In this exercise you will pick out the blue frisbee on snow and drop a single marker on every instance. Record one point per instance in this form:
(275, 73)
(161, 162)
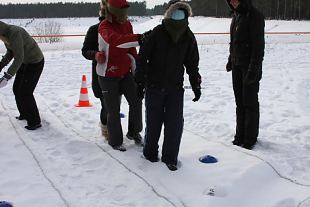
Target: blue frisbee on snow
(121, 115)
(5, 204)
(208, 159)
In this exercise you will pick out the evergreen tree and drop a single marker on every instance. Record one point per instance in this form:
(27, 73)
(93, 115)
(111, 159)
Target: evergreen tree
(272, 9)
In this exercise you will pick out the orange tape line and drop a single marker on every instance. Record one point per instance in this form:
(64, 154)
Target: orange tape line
(198, 33)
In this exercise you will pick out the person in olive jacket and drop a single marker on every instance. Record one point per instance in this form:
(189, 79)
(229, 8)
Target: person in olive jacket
(91, 51)
(161, 62)
(247, 46)
(27, 65)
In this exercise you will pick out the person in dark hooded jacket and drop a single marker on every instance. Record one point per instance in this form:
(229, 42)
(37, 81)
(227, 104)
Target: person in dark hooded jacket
(91, 51)
(27, 65)
(161, 62)
(245, 61)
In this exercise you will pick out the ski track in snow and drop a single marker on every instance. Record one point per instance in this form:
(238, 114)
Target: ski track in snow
(217, 101)
(280, 105)
(69, 151)
(66, 151)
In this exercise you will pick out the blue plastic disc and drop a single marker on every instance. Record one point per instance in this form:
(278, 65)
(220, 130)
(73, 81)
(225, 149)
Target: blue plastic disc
(121, 115)
(208, 159)
(5, 204)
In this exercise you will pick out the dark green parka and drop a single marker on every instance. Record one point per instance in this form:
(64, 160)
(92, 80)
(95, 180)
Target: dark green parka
(20, 46)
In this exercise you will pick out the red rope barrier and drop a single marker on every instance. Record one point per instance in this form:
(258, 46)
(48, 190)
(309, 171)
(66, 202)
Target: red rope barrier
(197, 33)
(287, 33)
(59, 35)
(211, 33)
(267, 33)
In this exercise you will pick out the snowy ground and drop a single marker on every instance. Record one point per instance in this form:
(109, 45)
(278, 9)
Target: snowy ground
(67, 162)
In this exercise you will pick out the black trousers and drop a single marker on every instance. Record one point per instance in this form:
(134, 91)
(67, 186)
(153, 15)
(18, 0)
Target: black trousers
(163, 107)
(103, 112)
(247, 110)
(25, 82)
(112, 88)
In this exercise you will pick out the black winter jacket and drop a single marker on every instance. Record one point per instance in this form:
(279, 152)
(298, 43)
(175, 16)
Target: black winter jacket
(161, 62)
(89, 49)
(247, 41)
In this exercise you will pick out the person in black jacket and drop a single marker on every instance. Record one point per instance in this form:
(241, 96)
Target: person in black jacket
(245, 61)
(90, 52)
(160, 71)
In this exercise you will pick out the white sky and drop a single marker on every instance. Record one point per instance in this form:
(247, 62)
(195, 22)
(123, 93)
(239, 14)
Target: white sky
(150, 3)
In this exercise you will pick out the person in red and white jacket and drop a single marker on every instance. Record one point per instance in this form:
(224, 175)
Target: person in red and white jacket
(117, 44)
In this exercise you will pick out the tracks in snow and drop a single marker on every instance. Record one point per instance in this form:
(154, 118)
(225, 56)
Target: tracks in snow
(58, 187)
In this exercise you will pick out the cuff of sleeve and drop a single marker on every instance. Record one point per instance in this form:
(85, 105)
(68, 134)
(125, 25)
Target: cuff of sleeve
(7, 76)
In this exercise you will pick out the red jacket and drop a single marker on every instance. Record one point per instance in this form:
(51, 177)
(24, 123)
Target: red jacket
(118, 43)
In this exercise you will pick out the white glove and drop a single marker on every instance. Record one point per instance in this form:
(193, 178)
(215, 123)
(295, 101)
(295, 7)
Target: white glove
(4, 80)
(133, 63)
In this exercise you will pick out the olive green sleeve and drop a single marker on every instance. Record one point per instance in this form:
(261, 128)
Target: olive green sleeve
(17, 47)
(6, 58)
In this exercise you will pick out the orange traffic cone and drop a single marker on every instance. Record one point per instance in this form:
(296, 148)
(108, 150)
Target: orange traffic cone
(84, 101)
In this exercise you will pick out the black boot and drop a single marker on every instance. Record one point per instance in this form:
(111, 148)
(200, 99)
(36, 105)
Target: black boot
(151, 158)
(33, 127)
(249, 146)
(134, 136)
(172, 167)
(120, 148)
(237, 142)
(20, 117)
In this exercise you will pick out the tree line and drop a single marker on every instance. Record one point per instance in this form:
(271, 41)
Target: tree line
(61, 10)
(272, 9)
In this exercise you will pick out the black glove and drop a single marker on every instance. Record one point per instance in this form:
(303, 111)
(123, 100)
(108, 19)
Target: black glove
(197, 93)
(143, 37)
(4, 80)
(7, 76)
(229, 65)
(1, 66)
(195, 81)
(140, 90)
(253, 75)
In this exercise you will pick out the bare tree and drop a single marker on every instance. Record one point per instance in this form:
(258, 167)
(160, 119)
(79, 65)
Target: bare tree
(48, 31)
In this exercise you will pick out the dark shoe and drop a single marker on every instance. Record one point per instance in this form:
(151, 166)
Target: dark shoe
(134, 136)
(172, 167)
(237, 142)
(34, 127)
(20, 118)
(151, 158)
(248, 146)
(120, 148)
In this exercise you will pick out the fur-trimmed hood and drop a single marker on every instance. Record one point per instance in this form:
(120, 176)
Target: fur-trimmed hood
(247, 4)
(178, 5)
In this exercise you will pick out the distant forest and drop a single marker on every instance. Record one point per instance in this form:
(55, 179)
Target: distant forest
(272, 9)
